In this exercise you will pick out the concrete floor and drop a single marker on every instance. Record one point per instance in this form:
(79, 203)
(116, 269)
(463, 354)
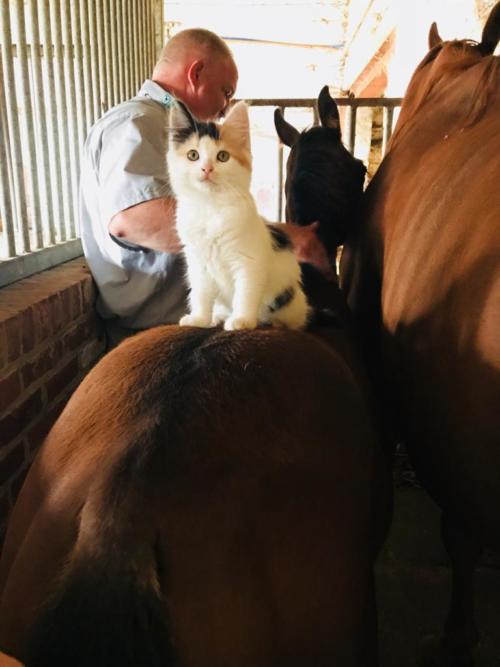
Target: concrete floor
(414, 578)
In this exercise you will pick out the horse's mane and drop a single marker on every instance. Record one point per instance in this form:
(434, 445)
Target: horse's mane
(461, 55)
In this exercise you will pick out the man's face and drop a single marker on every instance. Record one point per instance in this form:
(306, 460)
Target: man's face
(216, 85)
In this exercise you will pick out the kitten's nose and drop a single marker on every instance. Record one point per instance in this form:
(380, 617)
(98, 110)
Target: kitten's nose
(206, 170)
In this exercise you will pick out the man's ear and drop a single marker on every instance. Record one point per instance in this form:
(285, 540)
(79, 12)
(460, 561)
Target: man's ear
(193, 73)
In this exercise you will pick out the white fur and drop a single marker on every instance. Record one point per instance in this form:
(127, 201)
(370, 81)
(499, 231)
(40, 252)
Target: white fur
(233, 271)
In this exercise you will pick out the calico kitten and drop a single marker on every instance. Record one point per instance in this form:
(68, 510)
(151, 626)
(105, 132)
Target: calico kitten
(241, 271)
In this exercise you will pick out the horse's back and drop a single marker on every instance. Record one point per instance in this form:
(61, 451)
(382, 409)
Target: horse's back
(255, 458)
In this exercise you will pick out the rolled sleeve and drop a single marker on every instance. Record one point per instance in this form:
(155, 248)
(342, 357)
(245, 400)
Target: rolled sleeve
(132, 167)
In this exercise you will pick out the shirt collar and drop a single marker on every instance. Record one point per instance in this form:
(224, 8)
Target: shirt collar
(155, 92)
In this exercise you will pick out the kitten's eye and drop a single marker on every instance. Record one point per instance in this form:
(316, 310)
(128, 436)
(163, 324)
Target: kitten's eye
(193, 155)
(223, 156)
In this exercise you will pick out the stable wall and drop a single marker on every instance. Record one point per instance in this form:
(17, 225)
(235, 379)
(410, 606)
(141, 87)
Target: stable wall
(50, 337)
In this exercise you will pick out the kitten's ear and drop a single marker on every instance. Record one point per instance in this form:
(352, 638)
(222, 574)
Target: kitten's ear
(181, 122)
(238, 119)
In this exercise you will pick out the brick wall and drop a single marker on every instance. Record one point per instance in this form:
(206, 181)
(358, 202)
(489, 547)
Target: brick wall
(49, 338)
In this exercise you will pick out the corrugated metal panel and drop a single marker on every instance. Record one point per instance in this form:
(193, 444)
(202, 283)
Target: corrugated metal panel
(63, 64)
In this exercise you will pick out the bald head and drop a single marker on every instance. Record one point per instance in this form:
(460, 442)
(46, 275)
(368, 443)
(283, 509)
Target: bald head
(194, 40)
(198, 68)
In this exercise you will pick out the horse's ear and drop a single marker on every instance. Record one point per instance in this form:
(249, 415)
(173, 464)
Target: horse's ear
(327, 109)
(434, 37)
(286, 132)
(491, 32)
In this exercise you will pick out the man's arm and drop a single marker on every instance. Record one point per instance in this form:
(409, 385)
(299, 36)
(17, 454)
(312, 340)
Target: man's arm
(150, 224)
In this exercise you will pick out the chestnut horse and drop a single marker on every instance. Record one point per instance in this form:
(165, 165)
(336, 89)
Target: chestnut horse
(205, 498)
(423, 278)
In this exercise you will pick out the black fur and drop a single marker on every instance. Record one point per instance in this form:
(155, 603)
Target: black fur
(280, 239)
(282, 299)
(193, 126)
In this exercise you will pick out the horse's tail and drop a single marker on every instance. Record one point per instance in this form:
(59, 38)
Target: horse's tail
(107, 608)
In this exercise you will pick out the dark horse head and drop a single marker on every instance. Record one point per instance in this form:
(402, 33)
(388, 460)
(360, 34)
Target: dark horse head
(324, 182)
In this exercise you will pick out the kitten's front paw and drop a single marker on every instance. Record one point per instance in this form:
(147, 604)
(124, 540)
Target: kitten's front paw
(235, 323)
(194, 321)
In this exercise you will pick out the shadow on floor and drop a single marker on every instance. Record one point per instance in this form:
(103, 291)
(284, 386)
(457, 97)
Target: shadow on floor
(414, 579)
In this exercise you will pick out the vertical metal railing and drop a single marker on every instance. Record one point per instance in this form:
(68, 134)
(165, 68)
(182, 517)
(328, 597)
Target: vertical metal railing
(63, 63)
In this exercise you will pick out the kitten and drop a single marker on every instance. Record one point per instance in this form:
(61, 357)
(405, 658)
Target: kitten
(241, 271)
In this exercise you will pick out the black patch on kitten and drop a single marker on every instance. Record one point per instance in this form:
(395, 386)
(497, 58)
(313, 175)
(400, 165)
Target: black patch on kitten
(194, 127)
(280, 239)
(282, 299)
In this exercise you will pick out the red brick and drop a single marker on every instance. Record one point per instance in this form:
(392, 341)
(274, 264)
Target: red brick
(80, 333)
(62, 379)
(42, 320)
(38, 432)
(13, 423)
(71, 302)
(13, 336)
(28, 333)
(88, 294)
(11, 463)
(44, 362)
(10, 389)
(56, 312)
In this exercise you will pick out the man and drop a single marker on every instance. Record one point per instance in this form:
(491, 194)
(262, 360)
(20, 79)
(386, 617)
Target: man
(127, 211)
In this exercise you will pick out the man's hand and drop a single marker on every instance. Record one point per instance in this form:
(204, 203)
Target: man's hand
(150, 224)
(308, 248)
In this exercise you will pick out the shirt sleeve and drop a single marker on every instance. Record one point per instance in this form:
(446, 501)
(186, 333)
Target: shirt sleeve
(132, 166)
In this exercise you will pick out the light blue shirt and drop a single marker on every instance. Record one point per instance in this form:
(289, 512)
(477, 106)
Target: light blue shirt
(124, 164)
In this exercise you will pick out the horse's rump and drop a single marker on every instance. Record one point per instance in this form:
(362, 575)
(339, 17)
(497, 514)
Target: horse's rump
(230, 479)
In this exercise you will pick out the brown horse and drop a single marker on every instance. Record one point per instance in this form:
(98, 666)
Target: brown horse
(423, 278)
(206, 498)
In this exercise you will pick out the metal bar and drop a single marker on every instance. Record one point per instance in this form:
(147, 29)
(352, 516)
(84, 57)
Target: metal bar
(78, 70)
(28, 133)
(6, 212)
(154, 31)
(139, 37)
(341, 102)
(94, 63)
(114, 48)
(107, 54)
(130, 47)
(71, 122)
(351, 128)
(145, 39)
(119, 37)
(103, 89)
(62, 109)
(159, 29)
(152, 34)
(21, 217)
(148, 41)
(134, 49)
(280, 174)
(87, 71)
(43, 161)
(40, 260)
(126, 49)
(50, 105)
(387, 130)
